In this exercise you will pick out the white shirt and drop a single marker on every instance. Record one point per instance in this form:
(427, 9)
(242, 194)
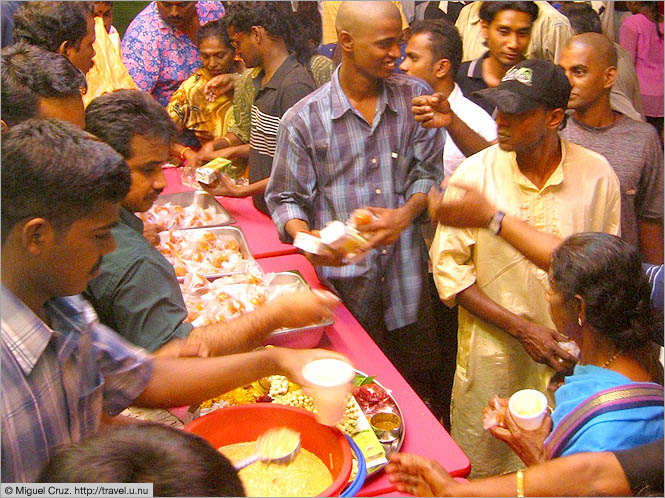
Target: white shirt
(476, 118)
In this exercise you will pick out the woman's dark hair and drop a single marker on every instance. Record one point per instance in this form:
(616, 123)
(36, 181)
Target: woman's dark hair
(53, 170)
(48, 24)
(30, 72)
(306, 30)
(489, 10)
(176, 462)
(214, 29)
(655, 14)
(444, 38)
(607, 273)
(118, 116)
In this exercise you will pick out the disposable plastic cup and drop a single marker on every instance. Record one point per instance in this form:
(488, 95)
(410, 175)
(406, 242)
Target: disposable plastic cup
(528, 408)
(329, 382)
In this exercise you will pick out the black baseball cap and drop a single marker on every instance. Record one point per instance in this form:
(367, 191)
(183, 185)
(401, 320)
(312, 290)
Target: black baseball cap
(531, 83)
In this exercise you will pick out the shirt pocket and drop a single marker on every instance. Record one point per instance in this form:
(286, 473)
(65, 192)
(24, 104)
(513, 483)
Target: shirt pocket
(402, 168)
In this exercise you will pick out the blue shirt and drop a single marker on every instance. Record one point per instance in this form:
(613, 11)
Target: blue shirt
(56, 381)
(330, 161)
(610, 431)
(160, 57)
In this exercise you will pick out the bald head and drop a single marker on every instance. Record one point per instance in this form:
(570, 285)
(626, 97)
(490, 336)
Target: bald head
(355, 17)
(601, 46)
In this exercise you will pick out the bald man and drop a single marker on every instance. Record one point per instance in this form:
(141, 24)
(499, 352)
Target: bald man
(631, 147)
(354, 143)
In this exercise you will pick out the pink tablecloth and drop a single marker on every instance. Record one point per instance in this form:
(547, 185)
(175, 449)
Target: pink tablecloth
(259, 230)
(424, 434)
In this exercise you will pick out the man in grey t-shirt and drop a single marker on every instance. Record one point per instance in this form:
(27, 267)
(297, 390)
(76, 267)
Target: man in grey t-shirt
(631, 147)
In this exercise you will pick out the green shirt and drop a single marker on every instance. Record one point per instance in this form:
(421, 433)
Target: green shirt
(136, 292)
(320, 67)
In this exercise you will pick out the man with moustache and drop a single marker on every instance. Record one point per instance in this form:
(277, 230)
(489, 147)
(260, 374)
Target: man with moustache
(507, 341)
(136, 292)
(353, 143)
(159, 47)
(66, 28)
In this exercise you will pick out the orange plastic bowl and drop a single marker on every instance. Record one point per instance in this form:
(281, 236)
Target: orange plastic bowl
(241, 423)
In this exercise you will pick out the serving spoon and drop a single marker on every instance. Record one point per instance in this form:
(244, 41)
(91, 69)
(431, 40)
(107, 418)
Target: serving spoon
(275, 446)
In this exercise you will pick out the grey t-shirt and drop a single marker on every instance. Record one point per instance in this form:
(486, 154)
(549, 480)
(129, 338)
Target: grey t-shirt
(634, 151)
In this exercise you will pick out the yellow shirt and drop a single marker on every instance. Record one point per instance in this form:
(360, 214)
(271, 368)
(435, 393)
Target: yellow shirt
(549, 33)
(330, 13)
(582, 194)
(108, 72)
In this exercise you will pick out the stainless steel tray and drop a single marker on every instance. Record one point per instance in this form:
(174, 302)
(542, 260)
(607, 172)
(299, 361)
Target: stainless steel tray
(395, 445)
(302, 337)
(232, 232)
(203, 199)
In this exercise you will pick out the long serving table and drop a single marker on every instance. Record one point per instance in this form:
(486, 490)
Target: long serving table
(424, 435)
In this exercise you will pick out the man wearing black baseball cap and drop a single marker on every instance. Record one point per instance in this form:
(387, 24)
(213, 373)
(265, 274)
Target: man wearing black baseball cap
(507, 339)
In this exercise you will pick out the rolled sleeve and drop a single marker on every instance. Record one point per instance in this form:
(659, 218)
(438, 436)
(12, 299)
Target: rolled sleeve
(453, 268)
(428, 154)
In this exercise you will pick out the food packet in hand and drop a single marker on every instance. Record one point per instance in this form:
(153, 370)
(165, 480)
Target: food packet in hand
(360, 218)
(494, 413)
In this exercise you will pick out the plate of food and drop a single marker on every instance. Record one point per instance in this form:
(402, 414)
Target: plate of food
(368, 401)
(184, 210)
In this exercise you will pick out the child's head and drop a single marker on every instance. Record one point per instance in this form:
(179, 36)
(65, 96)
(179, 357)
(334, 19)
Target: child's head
(215, 48)
(176, 462)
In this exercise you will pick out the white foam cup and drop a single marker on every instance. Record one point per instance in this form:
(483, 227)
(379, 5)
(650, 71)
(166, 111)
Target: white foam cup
(329, 381)
(528, 408)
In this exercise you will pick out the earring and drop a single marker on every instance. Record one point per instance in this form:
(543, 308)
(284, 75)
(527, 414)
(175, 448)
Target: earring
(579, 321)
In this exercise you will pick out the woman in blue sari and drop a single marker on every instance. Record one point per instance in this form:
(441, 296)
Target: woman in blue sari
(598, 297)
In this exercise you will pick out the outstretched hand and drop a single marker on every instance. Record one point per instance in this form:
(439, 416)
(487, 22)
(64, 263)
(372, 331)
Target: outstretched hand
(432, 111)
(472, 210)
(419, 476)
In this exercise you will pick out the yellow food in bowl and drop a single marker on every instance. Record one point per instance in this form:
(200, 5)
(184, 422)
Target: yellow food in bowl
(306, 475)
(526, 406)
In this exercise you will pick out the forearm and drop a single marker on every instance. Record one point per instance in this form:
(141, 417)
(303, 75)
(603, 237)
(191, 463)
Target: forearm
(187, 381)
(535, 245)
(467, 140)
(651, 240)
(474, 300)
(240, 334)
(416, 204)
(255, 188)
(596, 474)
(296, 225)
(228, 140)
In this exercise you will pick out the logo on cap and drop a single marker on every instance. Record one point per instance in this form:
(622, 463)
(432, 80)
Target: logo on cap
(523, 75)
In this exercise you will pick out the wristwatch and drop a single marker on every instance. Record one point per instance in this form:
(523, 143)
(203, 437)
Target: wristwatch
(494, 225)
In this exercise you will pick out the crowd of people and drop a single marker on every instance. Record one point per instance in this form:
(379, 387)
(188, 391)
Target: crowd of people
(511, 154)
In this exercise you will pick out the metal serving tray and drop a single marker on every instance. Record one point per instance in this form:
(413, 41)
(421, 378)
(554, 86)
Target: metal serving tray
(202, 199)
(232, 232)
(303, 337)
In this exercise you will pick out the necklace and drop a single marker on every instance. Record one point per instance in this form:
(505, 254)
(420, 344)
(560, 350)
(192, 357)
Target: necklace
(614, 357)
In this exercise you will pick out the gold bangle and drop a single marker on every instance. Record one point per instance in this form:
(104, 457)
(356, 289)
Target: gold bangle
(182, 152)
(227, 141)
(520, 483)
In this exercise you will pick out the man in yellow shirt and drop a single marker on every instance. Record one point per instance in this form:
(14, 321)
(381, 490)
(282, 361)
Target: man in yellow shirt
(549, 33)
(506, 338)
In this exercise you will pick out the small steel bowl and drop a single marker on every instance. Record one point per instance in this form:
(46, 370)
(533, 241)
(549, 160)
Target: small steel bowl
(386, 425)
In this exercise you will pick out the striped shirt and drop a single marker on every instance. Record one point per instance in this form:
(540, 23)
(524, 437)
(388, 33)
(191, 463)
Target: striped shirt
(56, 382)
(290, 83)
(330, 161)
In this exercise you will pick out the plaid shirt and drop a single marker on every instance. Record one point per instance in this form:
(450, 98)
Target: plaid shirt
(56, 382)
(330, 161)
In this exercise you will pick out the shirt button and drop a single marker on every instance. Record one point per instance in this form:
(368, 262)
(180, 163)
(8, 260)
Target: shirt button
(378, 191)
(373, 161)
(384, 251)
(383, 279)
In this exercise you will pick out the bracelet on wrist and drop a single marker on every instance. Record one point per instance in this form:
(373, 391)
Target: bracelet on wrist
(182, 152)
(520, 483)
